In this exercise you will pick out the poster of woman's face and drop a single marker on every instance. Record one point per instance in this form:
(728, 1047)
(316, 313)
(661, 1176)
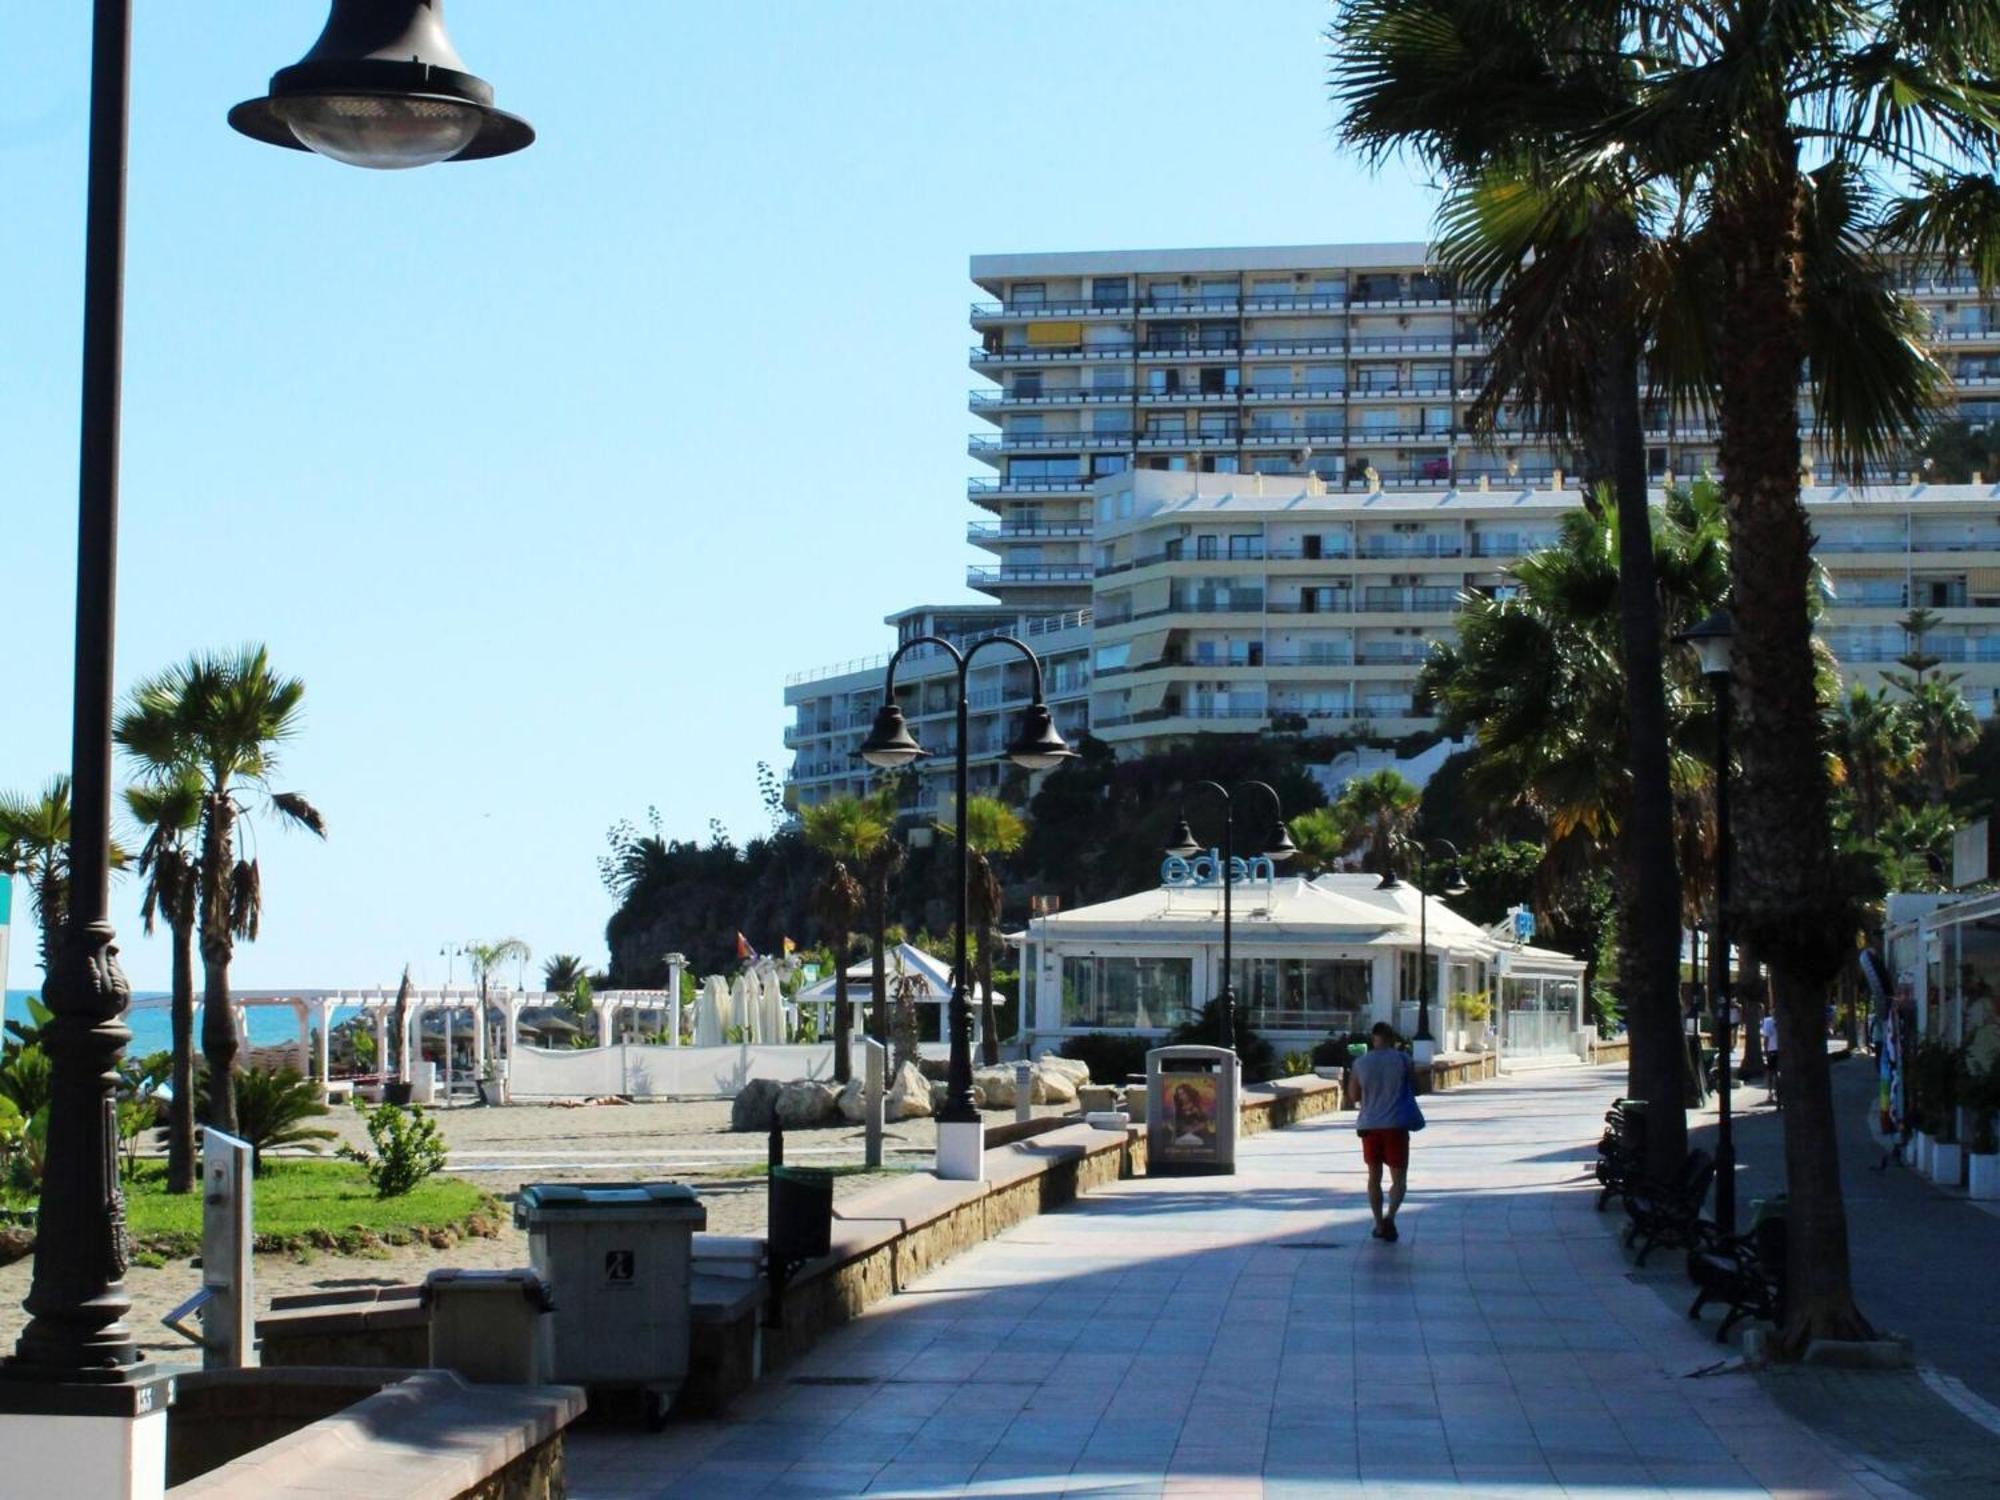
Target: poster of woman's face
(1191, 1114)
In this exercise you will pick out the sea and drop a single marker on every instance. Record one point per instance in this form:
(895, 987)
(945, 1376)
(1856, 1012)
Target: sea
(152, 1026)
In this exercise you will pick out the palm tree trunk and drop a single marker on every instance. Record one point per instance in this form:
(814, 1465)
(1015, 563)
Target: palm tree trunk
(989, 1018)
(843, 1015)
(878, 980)
(1750, 989)
(218, 1023)
(180, 1111)
(1786, 897)
(1649, 960)
(50, 893)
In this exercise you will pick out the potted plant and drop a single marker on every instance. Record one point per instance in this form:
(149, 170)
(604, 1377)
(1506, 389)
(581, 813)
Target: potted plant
(1979, 1096)
(1471, 1009)
(1927, 1093)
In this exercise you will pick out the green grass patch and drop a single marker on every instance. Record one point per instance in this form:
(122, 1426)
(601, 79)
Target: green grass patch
(315, 1205)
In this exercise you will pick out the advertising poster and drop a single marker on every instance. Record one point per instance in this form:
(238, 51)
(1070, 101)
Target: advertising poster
(1191, 1115)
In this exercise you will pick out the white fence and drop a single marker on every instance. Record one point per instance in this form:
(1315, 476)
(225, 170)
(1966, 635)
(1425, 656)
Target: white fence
(651, 1072)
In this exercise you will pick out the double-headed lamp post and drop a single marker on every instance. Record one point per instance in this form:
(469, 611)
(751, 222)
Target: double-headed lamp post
(1036, 747)
(1423, 1044)
(1714, 642)
(381, 88)
(1278, 848)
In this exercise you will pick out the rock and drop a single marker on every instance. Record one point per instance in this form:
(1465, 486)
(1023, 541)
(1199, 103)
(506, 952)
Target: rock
(755, 1105)
(1052, 1087)
(16, 1244)
(853, 1101)
(997, 1084)
(909, 1094)
(807, 1104)
(1077, 1072)
(1098, 1098)
(941, 1091)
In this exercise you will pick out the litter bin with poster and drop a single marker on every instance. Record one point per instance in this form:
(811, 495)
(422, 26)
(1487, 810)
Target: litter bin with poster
(1191, 1110)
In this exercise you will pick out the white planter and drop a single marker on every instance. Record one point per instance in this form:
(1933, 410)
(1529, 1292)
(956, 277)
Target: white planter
(1948, 1164)
(1920, 1153)
(1982, 1175)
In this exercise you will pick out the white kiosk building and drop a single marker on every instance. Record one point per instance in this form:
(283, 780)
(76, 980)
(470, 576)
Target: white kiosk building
(1312, 957)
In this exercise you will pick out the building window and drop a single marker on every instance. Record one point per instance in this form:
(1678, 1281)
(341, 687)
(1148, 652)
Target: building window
(1029, 294)
(1303, 994)
(1140, 993)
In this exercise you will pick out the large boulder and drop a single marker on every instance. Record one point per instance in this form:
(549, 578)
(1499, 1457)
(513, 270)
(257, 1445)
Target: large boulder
(942, 1091)
(997, 1084)
(755, 1105)
(807, 1104)
(1077, 1071)
(909, 1094)
(1054, 1087)
(853, 1102)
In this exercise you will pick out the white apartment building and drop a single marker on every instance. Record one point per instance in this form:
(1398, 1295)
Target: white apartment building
(1180, 444)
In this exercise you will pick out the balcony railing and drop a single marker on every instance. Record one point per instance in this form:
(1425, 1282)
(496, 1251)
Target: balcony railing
(983, 400)
(1187, 349)
(1043, 354)
(1024, 531)
(1286, 348)
(1294, 437)
(1245, 602)
(1170, 303)
(1205, 437)
(1257, 302)
(1037, 442)
(1010, 573)
(1061, 484)
(1412, 546)
(1069, 308)
(1294, 393)
(1442, 385)
(1321, 602)
(1408, 600)
(1188, 398)
(1403, 343)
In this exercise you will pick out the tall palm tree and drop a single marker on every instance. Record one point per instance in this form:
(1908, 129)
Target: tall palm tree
(1377, 810)
(1490, 95)
(34, 844)
(222, 719)
(487, 959)
(992, 830)
(848, 830)
(1322, 836)
(1876, 746)
(168, 809)
(1943, 728)
(880, 866)
(1732, 99)
(561, 971)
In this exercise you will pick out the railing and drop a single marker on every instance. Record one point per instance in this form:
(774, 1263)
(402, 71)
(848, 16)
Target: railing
(1190, 302)
(1865, 544)
(1259, 348)
(1186, 348)
(1047, 353)
(1331, 549)
(1245, 603)
(1087, 308)
(1295, 302)
(1062, 484)
(1322, 602)
(1411, 546)
(1407, 343)
(1406, 388)
(1407, 600)
(1294, 437)
(1309, 659)
(1294, 393)
(978, 577)
(1225, 437)
(1000, 531)
(981, 400)
(1185, 398)
(1035, 626)
(1392, 656)
(988, 442)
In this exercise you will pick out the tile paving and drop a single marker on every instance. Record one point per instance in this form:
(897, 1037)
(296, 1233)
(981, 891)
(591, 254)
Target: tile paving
(1244, 1336)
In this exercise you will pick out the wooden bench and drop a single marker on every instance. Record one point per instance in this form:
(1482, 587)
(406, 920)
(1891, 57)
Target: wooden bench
(1746, 1274)
(1669, 1213)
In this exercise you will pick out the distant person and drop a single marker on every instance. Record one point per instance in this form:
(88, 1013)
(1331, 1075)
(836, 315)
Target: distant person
(1767, 1031)
(1385, 1081)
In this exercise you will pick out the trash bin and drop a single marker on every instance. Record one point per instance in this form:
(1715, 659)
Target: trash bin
(1191, 1110)
(800, 1209)
(491, 1326)
(616, 1258)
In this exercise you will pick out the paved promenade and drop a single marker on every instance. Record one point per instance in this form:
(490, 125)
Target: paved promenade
(1245, 1337)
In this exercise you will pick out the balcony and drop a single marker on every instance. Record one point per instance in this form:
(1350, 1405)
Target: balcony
(1510, 543)
(990, 400)
(1294, 437)
(1292, 348)
(1411, 546)
(1005, 312)
(1393, 656)
(1429, 387)
(981, 444)
(1171, 439)
(1328, 658)
(1405, 343)
(1241, 602)
(1024, 531)
(1189, 398)
(1188, 349)
(1403, 434)
(1295, 302)
(1016, 574)
(1046, 354)
(1062, 484)
(1316, 602)
(1395, 601)
(1196, 304)
(1295, 393)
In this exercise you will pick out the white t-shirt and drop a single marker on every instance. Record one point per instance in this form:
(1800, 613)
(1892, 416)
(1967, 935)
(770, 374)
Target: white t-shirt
(1768, 1030)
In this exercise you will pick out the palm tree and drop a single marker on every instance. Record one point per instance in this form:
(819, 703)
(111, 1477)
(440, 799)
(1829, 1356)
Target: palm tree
(1576, 289)
(561, 971)
(488, 958)
(34, 844)
(222, 719)
(168, 809)
(1876, 745)
(848, 831)
(1943, 727)
(992, 829)
(881, 865)
(1378, 809)
(1322, 836)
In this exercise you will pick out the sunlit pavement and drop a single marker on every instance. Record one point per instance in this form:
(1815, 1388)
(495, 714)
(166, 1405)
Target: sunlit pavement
(1244, 1336)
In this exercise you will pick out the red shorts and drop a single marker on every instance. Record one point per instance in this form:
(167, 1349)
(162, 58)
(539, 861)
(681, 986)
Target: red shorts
(1386, 1148)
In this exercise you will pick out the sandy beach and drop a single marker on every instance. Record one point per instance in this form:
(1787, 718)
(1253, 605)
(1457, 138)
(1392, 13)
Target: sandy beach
(501, 1149)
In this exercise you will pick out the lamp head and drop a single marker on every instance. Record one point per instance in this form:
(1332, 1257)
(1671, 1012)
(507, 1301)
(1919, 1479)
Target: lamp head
(1037, 747)
(1182, 841)
(1278, 846)
(890, 743)
(383, 87)
(1714, 642)
(1455, 882)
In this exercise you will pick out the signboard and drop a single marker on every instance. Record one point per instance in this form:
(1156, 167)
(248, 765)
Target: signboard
(1524, 924)
(1206, 870)
(1972, 854)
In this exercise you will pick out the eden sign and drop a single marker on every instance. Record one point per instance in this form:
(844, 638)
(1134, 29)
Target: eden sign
(1206, 869)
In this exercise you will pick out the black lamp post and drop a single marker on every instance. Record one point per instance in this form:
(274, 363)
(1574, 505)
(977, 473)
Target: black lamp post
(76, 1337)
(1278, 849)
(1714, 640)
(1036, 747)
(1424, 1045)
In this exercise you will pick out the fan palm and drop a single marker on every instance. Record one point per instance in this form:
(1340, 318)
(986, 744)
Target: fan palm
(992, 829)
(1377, 811)
(488, 959)
(272, 1109)
(881, 865)
(34, 844)
(1322, 837)
(1877, 747)
(168, 809)
(1943, 728)
(848, 830)
(221, 719)
(561, 971)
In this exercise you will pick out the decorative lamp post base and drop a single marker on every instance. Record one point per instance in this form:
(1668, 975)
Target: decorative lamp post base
(961, 1150)
(1424, 1051)
(102, 1441)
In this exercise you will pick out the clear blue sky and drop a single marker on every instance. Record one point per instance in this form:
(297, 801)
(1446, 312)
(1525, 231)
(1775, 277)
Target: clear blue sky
(544, 472)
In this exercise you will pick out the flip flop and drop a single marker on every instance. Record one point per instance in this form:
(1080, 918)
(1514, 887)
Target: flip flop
(1389, 1231)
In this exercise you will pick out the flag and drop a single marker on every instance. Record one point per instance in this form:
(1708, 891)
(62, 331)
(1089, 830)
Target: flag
(790, 947)
(743, 948)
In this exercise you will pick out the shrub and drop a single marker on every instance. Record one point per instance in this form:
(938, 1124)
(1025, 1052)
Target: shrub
(408, 1149)
(1297, 1064)
(1979, 1092)
(25, 1078)
(1110, 1058)
(1933, 1080)
(1258, 1056)
(271, 1110)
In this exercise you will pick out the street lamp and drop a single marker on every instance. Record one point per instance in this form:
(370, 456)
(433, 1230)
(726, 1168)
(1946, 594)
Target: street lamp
(1423, 1044)
(1278, 848)
(1714, 644)
(1036, 747)
(76, 1355)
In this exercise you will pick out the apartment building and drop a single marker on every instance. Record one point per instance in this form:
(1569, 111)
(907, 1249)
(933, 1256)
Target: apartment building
(1340, 375)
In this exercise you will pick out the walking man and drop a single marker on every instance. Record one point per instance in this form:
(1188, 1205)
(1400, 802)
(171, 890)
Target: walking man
(1383, 1078)
(1767, 1035)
